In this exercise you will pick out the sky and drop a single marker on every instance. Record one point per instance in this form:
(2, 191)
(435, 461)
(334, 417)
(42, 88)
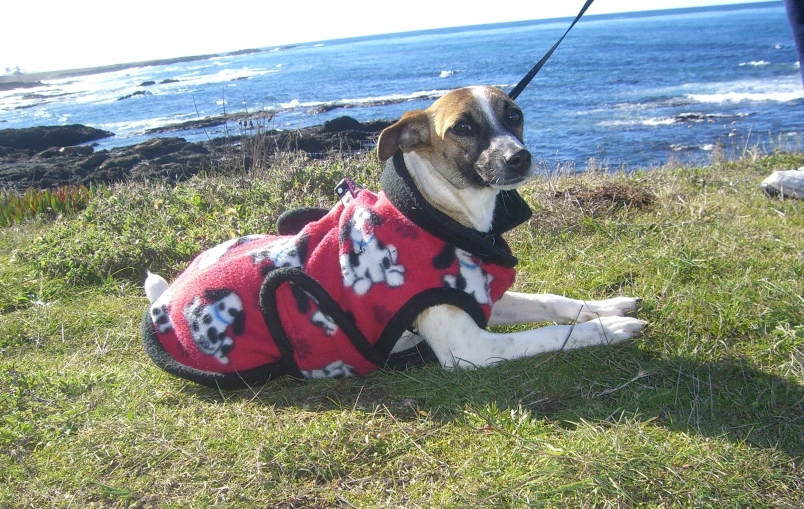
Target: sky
(49, 35)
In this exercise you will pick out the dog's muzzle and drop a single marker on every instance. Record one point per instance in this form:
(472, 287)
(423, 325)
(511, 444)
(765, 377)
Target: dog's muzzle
(519, 162)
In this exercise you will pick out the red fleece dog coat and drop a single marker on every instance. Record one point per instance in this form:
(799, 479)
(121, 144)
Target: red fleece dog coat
(330, 301)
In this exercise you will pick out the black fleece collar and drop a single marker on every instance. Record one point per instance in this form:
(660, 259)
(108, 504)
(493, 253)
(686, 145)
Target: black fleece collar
(509, 212)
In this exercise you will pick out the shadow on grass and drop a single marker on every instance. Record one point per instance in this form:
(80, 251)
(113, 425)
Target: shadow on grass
(730, 398)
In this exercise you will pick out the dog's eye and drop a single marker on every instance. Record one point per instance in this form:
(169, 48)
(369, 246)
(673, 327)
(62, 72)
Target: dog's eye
(515, 116)
(462, 127)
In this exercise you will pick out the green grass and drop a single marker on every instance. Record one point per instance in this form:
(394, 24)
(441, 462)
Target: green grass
(705, 410)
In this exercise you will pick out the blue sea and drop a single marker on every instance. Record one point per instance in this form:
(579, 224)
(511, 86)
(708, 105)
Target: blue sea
(625, 90)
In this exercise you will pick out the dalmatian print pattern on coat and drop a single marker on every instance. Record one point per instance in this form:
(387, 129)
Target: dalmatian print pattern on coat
(368, 260)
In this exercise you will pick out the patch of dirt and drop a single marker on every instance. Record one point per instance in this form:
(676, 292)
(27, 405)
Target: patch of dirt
(606, 197)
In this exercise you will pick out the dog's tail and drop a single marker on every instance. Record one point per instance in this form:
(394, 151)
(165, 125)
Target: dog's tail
(155, 285)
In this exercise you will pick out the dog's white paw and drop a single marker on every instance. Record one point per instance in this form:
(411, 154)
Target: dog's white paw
(618, 306)
(605, 331)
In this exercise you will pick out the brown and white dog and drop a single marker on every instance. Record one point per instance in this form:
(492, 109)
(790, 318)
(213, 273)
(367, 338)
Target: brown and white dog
(462, 154)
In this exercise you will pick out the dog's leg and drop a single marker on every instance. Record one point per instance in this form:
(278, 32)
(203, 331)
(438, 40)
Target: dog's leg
(458, 341)
(514, 308)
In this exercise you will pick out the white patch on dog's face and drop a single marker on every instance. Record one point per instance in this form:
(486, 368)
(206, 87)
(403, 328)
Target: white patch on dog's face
(505, 163)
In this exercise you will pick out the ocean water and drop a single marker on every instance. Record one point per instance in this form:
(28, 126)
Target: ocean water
(625, 90)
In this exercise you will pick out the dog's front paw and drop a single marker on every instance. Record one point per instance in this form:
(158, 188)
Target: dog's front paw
(605, 331)
(618, 306)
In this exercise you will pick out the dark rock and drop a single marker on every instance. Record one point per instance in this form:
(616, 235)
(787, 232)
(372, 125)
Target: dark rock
(84, 150)
(158, 147)
(135, 94)
(243, 52)
(190, 124)
(343, 123)
(147, 83)
(81, 150)
(44, 137)
(12, 85)
(94, 161)
(211, 122)
(169, 80)
(194, 148)
(124, 163)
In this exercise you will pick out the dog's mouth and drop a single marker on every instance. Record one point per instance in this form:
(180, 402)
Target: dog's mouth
(508, 184)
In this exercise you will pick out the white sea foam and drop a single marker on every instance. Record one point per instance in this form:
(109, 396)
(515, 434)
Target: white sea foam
(653, 121)
(736, 97)
(364, 101)
(707, 147)
(446, 74)
(224, 75)
(755, 63)
(659, 121)
(778, 89)
(139, 126)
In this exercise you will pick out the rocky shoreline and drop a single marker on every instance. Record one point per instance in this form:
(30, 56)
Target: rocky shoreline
(52, 156)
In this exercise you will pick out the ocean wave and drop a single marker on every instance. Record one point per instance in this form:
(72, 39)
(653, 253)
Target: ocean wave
(680, 118)
(654, 121)
(659, 121)
(736, 97)
(707, 147)
(129, 127)
(446, 74)
(755, 63)
(778, 89)
(316, 107)
(224, 75)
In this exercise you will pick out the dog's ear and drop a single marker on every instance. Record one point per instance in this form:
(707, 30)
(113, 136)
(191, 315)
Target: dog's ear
(410, 133)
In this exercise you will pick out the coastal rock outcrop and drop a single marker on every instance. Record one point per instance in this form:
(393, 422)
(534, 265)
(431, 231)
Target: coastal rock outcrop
(35, 139)
(46, 157)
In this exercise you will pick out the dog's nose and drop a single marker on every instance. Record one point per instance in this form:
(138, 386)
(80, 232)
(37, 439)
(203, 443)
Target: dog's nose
(519, 161)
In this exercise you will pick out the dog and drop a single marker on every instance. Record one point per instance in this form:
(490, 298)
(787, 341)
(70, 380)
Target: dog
(421, 267)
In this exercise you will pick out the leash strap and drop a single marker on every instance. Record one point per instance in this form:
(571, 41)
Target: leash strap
(524, 82)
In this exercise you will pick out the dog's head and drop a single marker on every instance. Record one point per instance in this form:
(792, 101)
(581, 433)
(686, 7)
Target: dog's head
(472, 136)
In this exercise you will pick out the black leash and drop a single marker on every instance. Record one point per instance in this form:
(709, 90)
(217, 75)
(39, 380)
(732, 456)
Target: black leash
(524, 82)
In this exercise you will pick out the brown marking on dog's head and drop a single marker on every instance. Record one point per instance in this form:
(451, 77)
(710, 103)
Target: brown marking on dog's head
(472, 136)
